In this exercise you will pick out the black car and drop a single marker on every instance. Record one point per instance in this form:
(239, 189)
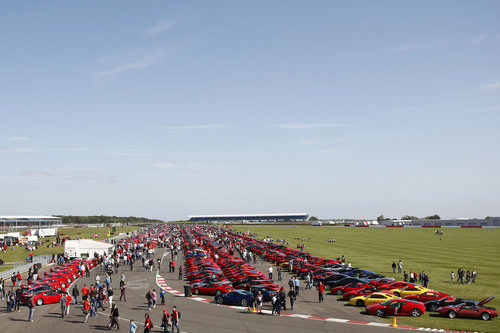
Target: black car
(329, 279)
(343, 282)
(435, 304)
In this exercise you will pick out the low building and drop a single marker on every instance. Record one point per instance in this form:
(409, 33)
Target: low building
(23, 222)
(249, 218)
(486, 222)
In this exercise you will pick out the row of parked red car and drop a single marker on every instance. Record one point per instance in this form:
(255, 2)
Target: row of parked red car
(49, 288)
(212, 270)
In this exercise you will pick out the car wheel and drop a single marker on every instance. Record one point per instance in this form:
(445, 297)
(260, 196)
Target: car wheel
(360, 302)
(350, 297)
(63, 285)
(452, 314)
(244, 302)
(416, 313)
(339, 291)
(196, 291)
(486, 316)
(218, 292)
(380, 313)
(433, 308)
(39, 301)
(219, 300)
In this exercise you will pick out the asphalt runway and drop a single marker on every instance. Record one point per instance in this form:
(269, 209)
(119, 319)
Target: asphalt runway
(196, 316)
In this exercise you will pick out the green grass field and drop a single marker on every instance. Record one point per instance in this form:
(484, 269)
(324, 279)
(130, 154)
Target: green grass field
(20, 254)
(419, 249)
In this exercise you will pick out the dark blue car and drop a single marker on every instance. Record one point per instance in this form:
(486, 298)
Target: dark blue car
(235, 297)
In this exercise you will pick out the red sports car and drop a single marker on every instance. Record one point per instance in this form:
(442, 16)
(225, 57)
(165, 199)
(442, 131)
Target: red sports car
(429, 296)
(47, 297)
(396, 307)
(396, 285)
(349, 287)
(212, 288)
(469, 310)
(359, 292)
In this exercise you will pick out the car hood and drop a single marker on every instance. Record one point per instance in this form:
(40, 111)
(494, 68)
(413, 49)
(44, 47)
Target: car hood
(486, 300)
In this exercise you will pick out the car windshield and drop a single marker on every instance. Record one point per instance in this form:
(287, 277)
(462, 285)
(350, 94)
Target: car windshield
(386, 302)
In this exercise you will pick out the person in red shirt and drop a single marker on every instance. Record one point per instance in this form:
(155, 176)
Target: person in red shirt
(147, 324)
(86, 309)
(321, 290)
(176, 316)
(19, 278)
(85, 292)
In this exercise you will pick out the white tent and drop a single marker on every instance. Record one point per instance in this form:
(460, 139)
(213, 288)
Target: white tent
(75, 248)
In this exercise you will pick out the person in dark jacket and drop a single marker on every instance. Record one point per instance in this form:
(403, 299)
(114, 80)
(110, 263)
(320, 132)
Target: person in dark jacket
(75, 293)
(291, 295)
(114, 317)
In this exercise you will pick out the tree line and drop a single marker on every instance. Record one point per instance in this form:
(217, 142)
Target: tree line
(102, 219)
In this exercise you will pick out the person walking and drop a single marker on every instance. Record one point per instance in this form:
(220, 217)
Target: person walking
(62, 302)
(452, 277)
(110, 296)
(133, 326)
(75, 293)
(86, 309)
(270, 272)
(282, 298)
(321, 290)
(291, 295)
(31, 306)
(394, 266)
(85, 292)
(308, 281)
(176, 318)
(260, 299)
(297, 284)
(154, 298)
(148, 325)
(122, 291)
(400, 266)
(180, 272)
(149, 298)
(165, 322)
(278, 270)
(115, 315)
(162, 296)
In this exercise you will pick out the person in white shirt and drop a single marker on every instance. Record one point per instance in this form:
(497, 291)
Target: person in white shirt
(270, 270)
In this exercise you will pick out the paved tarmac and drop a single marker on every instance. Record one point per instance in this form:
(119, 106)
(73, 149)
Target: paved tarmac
(196, 316)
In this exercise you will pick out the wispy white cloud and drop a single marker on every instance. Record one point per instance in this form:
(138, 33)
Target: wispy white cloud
(189, 166)
(195, 127)
(489, 87)
(309, 142)
(410, 47)
(309, 125)
(159, 27)
(41, 150)
(163, 165)
(17, 138)
(144, 61)
(35, 174)
(334, 150)
(478, 40)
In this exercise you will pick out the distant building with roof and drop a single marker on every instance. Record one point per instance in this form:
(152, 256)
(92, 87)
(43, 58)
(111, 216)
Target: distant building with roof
(22, 222)
(461, 222)
(250, 218)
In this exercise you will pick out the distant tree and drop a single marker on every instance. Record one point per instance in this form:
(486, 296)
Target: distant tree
(409, 217)
(313, 218)
(433, 217)
(382, 218)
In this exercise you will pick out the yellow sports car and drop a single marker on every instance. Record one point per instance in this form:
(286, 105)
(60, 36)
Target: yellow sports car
(410, 290)
(370, 299)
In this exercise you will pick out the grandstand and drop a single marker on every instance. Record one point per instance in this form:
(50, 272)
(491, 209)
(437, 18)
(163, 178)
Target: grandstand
(250, 218)
(22, 222)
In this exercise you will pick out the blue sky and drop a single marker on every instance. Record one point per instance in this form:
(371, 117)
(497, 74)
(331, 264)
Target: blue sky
(170, 108)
